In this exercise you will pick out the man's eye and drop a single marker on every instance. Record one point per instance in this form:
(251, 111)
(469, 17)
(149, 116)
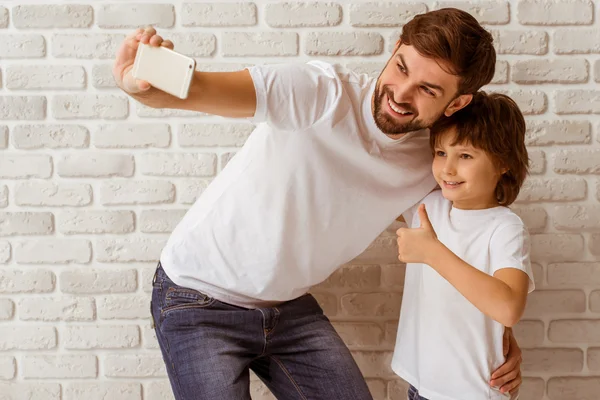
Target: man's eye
(428, 91)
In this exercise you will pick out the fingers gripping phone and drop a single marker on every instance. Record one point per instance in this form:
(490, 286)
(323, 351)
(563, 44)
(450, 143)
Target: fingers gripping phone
(164, 69)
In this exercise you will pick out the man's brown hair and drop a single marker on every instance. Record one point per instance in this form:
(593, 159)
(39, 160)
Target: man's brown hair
(493, 123)
(456, 38)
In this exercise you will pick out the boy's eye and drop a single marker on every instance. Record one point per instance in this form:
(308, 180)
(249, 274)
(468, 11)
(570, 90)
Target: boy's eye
(465, 156)
(440, 153)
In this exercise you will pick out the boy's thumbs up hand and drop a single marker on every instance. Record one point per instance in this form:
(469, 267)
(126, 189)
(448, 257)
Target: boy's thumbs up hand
(416, 244)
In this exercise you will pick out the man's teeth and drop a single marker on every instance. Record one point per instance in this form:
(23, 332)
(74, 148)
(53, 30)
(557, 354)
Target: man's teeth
(396, 109)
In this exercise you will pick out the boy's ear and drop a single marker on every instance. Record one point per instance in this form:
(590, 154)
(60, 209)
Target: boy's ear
(458, 103)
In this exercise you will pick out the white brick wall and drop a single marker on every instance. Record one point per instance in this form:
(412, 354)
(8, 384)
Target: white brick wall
(92, 183)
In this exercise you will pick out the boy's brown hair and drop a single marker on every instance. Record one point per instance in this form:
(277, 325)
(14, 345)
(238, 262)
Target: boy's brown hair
(493, 123)
(456, 38)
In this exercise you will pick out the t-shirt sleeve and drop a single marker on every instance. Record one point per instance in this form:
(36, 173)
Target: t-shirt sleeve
(510, 248)
(294, 96)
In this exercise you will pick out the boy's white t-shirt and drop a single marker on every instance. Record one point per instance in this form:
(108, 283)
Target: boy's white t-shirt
(313, 186)
(445, 346)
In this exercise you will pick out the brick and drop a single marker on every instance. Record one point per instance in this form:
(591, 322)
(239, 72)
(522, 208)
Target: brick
(537, 162)
(577, 218)
(373, 69)
(544, 133)
(597, 71)
(359, 334)
(574, 274)
(188, 191)
(178, 164)
(100, 337)
(572, 387)
(553, 302)
(160, 221)
(196, 44)
(553, 360)
(392, 276)
(328, 302)
(8, 367)
(556, 247)
(383, 250)
(530, 102)
(500, 73)
(210, 135)
(595, 244)
(102, 76)
(53, 251)
(240, 44)
(26, 223)
(550, 71)
(59, 367)
(27, 281)
(577, 102)
(49, 194)
(95, 165)
(57, 309)
(259, 391)
(45, 77)
(3, 135)
(577, 162)
(91, 45)
(103, 390)
(136, 15)
(371, 304)
(119, 192)
(574, 331)
(52, 16)
(293, 15)
(378, 388)
(133, 136)
(96, 221)
(149, 337)
(3, 196)
(538, 275)
(555, 12)
(520, 42)
(534, 218)
(576, 41)
(486, 12)
(22, 46)
(30, 391)
(29, 137)
(85, 281)
(5, 251)
(353, 277)
(145, 111)
(134, 366)
(593, 359)
(90, 106)
(3, 17)
(22, 107)
(397, 389)
(374, 364)
(384, 14)
(7, 309)
(225, 158)
(529, 333)
(532, 389)
(27, 338)
(553, 189)
(595, 301)
(128, 250)
(219, 14)
(159, 390)
(343, 43)
(124, 307)
(25, 166)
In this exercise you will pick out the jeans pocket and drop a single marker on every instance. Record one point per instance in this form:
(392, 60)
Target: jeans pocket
(179, 298)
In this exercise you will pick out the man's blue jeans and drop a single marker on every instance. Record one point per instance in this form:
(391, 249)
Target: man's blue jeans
(209, 347)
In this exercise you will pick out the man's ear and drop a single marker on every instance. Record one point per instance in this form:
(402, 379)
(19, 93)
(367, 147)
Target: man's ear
(458, 103)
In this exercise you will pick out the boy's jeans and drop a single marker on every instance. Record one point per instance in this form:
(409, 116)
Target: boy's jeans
(209, 346)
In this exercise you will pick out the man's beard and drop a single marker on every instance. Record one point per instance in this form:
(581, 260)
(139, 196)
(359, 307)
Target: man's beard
(387, 124)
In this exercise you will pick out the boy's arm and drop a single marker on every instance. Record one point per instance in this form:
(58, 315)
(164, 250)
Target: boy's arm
(228, 94)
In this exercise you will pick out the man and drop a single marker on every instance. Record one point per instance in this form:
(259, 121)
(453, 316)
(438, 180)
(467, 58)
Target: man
(334, 159)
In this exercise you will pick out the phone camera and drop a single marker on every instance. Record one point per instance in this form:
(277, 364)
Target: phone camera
(190, 66)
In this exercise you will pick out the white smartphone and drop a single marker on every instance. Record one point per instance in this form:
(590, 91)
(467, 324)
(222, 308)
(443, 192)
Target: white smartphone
(164, 69)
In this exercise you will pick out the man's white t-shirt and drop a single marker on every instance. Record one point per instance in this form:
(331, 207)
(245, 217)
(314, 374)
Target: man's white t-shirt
(445, 346)
(314, 185)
